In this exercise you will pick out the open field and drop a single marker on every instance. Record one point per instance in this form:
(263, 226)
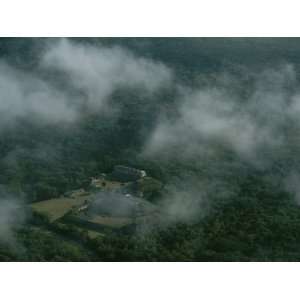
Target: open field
(110, 221)
(103, 221)
(58, 207)
(107, 185)
(94, 234)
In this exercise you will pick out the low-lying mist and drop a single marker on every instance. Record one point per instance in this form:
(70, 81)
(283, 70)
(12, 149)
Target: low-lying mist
(12, 217)
(206, 139)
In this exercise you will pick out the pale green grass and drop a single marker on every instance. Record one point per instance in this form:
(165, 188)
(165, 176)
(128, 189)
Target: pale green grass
(58, 207)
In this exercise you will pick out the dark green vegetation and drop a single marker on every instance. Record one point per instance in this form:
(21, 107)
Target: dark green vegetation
(36, 244)
(242, 211)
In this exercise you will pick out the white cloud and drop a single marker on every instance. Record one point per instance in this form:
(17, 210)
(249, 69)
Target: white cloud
(11, 216)
(25, 95)
(98, 71)
(95, 72)
(220, 115)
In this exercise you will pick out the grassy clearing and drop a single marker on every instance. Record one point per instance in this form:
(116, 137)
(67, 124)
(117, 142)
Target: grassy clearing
(58, 207)
(110, 221)
(107, 185)
(94, 234)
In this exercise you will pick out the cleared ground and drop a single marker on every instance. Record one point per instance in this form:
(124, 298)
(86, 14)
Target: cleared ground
(112, 222)
(94, 234)
(107, 185)
(58, 207)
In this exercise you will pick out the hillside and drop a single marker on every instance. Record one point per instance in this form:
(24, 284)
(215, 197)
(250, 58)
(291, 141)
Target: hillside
(213, 122)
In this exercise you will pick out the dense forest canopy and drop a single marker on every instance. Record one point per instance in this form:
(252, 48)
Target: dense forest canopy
(216, 120)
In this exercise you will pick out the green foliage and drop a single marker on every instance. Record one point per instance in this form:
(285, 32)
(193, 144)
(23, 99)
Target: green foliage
(248, 215)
